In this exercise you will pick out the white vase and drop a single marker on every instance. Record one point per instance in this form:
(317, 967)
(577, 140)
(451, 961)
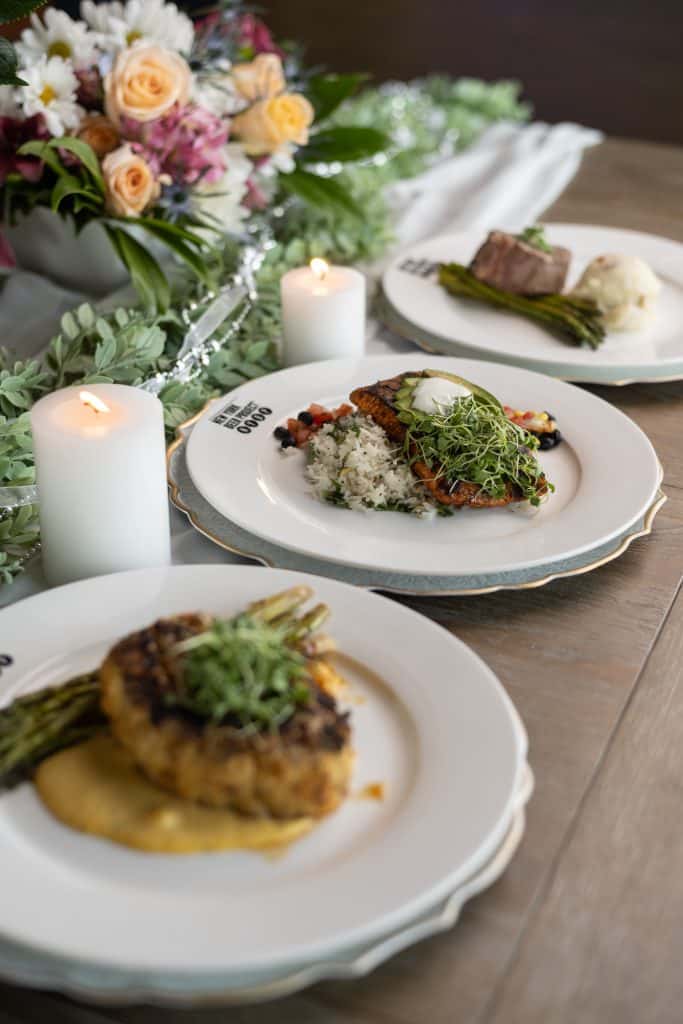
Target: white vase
(48, 244)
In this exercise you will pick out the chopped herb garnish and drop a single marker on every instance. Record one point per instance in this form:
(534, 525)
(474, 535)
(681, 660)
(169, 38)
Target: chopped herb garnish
(535, 236)
(244, 671)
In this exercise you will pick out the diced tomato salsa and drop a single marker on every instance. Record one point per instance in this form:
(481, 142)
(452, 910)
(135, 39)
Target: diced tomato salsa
(300, 430)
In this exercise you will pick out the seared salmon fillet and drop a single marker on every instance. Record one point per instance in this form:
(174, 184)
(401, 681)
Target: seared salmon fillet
(378, 401)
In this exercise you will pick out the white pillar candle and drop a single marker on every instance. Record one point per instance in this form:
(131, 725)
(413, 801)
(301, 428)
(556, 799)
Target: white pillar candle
(323, 313)
(101, 473)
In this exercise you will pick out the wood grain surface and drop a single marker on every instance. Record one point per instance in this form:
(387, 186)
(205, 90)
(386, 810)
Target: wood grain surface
(585, 926)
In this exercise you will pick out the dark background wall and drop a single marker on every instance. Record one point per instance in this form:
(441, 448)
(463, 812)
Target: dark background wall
(614, 65)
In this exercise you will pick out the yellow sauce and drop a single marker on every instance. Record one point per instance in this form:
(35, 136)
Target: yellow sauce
(95, 787)
(373, 791)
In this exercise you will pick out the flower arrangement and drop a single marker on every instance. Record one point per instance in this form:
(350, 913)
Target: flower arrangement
(162, 129)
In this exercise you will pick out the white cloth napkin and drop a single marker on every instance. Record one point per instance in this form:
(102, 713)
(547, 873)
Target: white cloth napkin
(506, 179)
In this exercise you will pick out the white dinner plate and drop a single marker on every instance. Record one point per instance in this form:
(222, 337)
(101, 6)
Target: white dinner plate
(430, 720)
(606, 475)
(464, 326)
(104, 985)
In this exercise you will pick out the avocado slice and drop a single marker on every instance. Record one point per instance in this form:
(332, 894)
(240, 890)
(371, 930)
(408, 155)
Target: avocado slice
(404, 396)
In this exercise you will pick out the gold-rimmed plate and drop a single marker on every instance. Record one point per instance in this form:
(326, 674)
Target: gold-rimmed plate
(605, 477)
(239, 544)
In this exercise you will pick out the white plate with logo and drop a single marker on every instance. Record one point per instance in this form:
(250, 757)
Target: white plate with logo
(606, 475)
(459, 326)
(430, 722)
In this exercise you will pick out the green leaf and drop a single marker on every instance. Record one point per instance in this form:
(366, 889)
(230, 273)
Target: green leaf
(324, 193)
(43, 151)
(170, 230)
(326, 92)
(344, 144)
(103, 329)
(12, 10)
(105, 352)
(229, 379)
(69, 326)
(175, 238)
(147, 276)
(257, 350)
(86, 315)
(85, 153)
(68, 185)
(8, 64)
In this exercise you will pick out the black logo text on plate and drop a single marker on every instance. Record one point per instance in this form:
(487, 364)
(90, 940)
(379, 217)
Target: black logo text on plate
(420, 268)
(243, 418)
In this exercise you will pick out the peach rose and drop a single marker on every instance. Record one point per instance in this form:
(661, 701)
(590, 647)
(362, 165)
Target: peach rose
(145, 82)
(261, 78)
(270, 123)
(100, 134)
(130, 185)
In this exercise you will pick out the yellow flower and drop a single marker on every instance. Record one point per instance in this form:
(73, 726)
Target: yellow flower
(270, 123)
(100, 134)
(145, 82)
(130, 184)
(260, 79)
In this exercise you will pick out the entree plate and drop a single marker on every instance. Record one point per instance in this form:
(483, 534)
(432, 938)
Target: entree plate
(431, 723)
(606, 475)
(238, 544)
(466, 327)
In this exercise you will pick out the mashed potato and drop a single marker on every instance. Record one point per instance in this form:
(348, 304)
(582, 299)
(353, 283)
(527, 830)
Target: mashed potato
(624, 288)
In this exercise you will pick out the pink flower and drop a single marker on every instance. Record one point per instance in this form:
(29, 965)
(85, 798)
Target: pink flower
(13, 134)
(207, 24)
(90, 93)
(256, 36)
(187, 144)
(256, 198)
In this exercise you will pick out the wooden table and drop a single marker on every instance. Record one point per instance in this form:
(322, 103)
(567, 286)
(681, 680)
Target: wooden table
(587, 924)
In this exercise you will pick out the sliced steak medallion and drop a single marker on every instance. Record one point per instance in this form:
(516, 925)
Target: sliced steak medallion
(512, 265)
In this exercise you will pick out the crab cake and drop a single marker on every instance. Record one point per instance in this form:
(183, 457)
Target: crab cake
(300, 768)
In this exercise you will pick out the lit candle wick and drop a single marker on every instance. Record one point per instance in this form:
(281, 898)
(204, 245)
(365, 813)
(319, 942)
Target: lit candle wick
(95, 403)
(320, 268)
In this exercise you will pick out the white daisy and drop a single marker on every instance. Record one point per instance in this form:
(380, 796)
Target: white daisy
(118, 25)
(57, 35)
(221, 202)
(51, 91)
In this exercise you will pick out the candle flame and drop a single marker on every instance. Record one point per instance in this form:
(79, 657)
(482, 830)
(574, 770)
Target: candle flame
(93, 401)
(320, 268)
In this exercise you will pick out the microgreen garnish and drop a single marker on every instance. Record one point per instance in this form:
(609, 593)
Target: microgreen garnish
(474, 441)
(535, 237)
(243, 670)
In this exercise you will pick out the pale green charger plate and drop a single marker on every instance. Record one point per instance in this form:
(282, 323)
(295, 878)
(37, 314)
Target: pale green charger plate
(238, 541)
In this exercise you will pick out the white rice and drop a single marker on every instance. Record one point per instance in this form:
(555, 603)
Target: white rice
(353, 463)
